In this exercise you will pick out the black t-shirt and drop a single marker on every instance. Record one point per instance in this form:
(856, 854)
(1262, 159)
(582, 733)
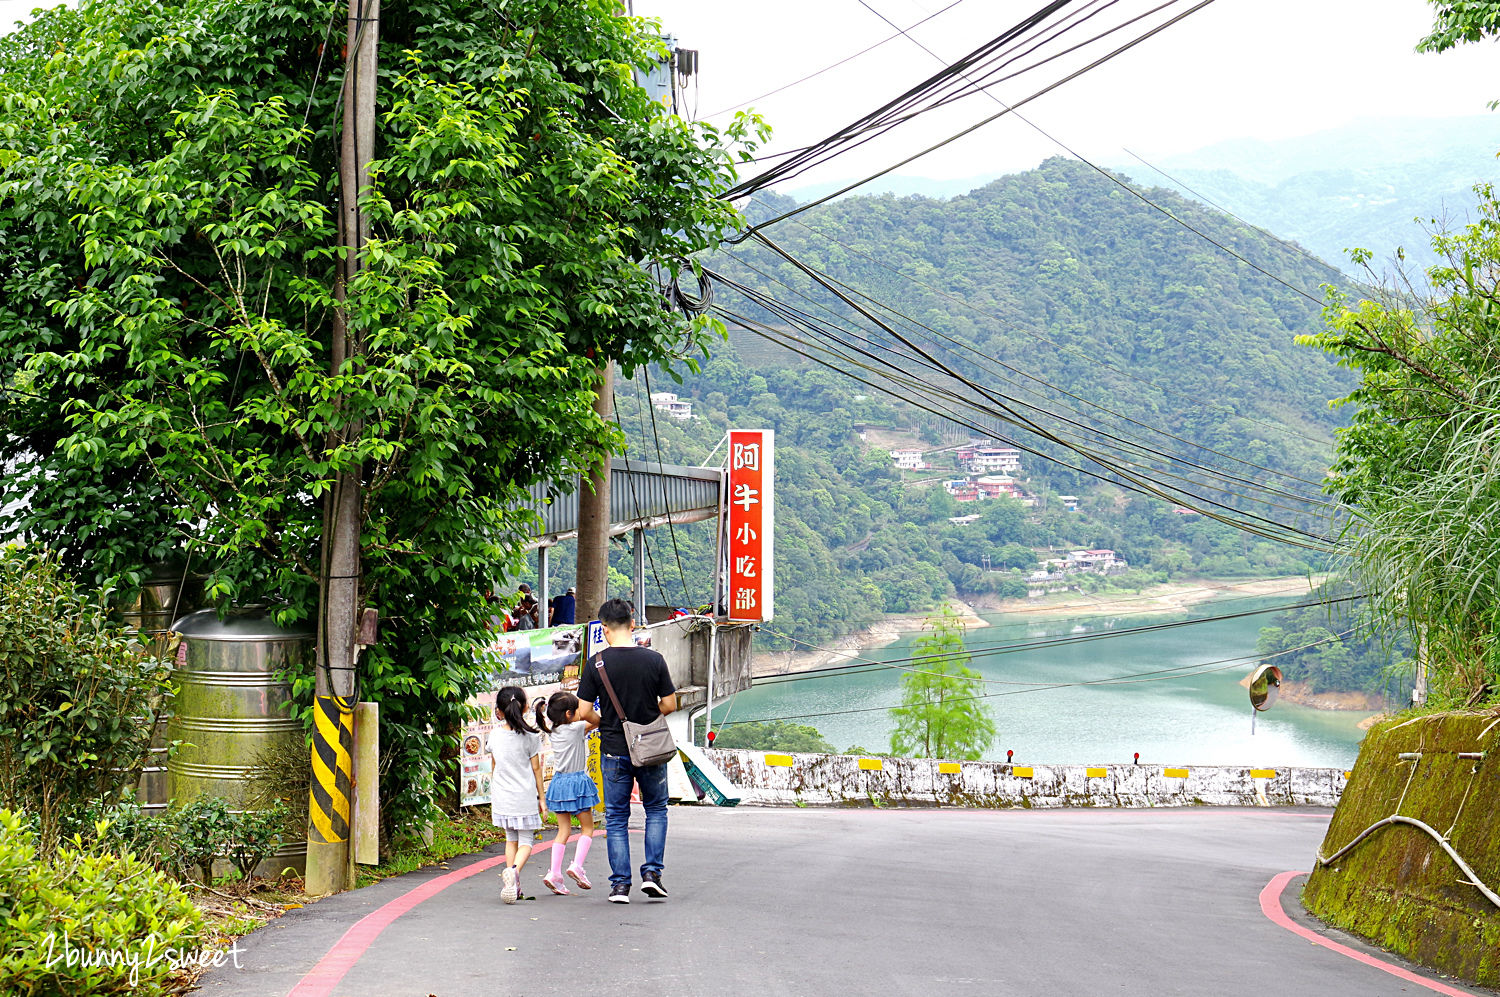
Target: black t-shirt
(640, 678)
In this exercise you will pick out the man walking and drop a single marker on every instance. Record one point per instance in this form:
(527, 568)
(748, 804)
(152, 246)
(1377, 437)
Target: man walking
(644, 687)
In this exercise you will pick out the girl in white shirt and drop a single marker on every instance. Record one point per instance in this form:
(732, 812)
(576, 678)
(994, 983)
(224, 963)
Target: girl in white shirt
(571, 791)
(516, 801)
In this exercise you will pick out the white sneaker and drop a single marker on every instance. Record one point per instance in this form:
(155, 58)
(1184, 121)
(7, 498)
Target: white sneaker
(511, 888)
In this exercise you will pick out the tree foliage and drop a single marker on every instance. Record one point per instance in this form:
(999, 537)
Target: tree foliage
(1338, 647)
(1418, 463)
(168, 200)
(940, 715)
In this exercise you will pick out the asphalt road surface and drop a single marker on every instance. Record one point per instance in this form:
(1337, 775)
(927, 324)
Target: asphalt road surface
(836, 901)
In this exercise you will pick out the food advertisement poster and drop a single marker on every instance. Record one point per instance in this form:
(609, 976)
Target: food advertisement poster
(541, 662)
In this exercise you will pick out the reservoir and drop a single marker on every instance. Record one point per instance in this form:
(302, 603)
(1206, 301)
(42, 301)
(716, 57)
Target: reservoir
(1171, 694)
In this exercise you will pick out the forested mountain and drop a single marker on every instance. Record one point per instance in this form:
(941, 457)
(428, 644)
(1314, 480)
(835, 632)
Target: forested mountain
(1103, 310)
(1334, 647)
(1375, 183)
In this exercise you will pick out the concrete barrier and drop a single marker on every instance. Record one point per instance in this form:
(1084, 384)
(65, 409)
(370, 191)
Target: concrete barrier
(781, 779)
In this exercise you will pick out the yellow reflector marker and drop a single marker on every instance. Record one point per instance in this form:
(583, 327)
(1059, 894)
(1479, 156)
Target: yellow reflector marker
(1097, 773)
(1262, 773)
(871, 764)
(1021, 772)
(949, 767)
(1348, 775)
(1175, 773)
(785, 761)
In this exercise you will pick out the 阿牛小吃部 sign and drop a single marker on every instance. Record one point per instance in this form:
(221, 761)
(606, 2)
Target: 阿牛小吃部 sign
(751, 479)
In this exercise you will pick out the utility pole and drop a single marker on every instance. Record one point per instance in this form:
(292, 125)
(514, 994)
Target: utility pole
(329, 817)
(593, 513)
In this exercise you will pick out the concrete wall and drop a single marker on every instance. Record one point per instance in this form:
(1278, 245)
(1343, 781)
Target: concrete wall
(1396, 885)
(774, 778)
(684, 642)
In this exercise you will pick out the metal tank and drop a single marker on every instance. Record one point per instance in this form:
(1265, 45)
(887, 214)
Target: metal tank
(232, 712)
(168, 592)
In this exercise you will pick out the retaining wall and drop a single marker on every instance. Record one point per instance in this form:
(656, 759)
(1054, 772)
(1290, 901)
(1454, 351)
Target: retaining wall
(776, 778)
(1398, 885)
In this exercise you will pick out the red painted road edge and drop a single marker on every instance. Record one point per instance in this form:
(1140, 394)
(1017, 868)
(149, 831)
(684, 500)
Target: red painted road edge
(1270, 905)
(322, 978)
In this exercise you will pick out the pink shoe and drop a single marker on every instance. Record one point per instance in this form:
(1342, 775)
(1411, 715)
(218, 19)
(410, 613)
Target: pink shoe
(554, 885)
(575, 873)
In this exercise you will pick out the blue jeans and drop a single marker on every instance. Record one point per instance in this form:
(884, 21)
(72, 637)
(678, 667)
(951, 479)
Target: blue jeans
(619, 773)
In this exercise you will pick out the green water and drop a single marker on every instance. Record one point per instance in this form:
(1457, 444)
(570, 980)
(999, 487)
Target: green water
(1191, 716)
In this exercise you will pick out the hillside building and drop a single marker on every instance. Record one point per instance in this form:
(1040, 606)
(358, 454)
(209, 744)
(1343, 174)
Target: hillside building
(666, 401)
(909, 460)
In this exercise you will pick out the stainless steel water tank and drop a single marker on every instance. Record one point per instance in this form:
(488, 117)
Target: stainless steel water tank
(168, 592)
(232, 711)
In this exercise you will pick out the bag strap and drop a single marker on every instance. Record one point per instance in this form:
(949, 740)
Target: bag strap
(609, 686)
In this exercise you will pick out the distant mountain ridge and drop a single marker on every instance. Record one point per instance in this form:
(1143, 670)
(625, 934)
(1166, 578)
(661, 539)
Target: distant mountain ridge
(1358, 185)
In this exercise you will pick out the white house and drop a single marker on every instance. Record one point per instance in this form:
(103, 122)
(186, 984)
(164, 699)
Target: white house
(1095, 560)
(909, 460)
(669, 403)
(989, 460)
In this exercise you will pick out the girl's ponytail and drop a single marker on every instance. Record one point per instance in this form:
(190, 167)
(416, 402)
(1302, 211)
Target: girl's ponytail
(541, 717)
(510, 703)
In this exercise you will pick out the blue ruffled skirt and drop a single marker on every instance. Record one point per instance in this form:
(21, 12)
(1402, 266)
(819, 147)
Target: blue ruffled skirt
(571, 792)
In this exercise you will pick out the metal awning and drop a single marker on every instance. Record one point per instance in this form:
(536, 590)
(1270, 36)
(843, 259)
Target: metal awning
(642, 494)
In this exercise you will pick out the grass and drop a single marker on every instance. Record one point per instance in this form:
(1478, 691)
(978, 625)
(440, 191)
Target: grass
(469, 832)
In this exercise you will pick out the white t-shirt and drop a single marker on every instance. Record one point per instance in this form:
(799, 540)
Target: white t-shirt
(513, 786)
(570, 747)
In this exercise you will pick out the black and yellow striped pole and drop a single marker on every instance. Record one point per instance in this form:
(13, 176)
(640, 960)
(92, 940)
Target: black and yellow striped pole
(332, 788)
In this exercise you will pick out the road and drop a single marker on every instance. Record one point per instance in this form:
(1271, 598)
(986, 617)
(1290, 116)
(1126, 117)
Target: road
(838, 901)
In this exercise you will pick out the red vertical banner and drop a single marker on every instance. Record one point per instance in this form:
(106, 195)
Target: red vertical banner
(751, 524)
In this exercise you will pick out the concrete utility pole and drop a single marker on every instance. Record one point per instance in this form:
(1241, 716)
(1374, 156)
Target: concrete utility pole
(328, 864)
(593, 513)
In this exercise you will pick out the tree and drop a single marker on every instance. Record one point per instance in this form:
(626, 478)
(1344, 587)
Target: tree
(940, 715)
(168, 199)
(1416, 465)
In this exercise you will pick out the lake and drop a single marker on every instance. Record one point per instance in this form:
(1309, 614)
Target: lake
(1175, 697)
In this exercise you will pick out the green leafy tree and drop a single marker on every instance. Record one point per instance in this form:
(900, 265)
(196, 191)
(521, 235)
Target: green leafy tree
(1416, 464)
(168, 203)
(77, 696)
(940, 715)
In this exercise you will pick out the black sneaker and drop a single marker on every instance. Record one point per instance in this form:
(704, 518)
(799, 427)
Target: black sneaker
(619, 894)
(651, 886)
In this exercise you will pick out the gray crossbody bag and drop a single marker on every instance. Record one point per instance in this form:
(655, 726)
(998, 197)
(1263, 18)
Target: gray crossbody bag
(648, 744)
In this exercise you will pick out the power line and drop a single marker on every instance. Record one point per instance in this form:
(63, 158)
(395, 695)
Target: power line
(757, 183)
(982, 359)
(635, 498)
(986, 650)
(671, 529)
(1207, 668)
(1008, 413)
(1128, 481)
(820, 72)
(1100, 613)
(1043, 339)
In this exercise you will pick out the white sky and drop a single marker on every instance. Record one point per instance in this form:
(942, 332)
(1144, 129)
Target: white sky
(1266, 69)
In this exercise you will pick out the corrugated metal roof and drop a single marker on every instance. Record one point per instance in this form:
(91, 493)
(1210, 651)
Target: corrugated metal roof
(641, 494)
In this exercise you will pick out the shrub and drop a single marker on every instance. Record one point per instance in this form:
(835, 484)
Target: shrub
(122, 826)
(255, 836)
(201, 831)
(82, 923)
(76, 695)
